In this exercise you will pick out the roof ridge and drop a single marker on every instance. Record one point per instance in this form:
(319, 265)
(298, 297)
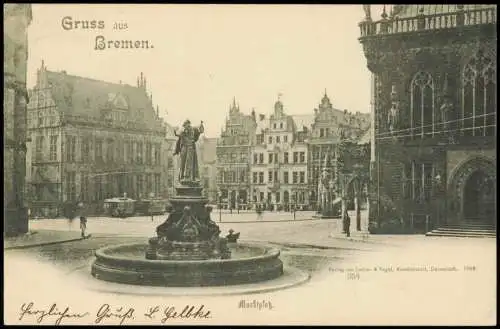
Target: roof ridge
(64, 74)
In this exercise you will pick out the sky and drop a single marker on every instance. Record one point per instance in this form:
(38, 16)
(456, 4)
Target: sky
(204, 55)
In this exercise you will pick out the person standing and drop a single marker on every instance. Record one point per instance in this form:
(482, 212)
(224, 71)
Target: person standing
(347, 224)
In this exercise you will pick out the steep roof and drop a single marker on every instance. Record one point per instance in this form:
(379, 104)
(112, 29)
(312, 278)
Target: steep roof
(403, 11)
(83, 96)
(303, 120)
(262, 125)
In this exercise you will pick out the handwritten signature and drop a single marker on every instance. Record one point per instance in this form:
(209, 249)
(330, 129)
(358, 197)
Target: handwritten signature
(169, 312)
(108, 313)
(53, 311)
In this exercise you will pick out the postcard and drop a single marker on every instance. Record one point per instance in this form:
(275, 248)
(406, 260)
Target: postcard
(249, 164)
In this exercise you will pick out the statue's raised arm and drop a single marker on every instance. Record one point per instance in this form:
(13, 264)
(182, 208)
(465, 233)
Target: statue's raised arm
(198, 131)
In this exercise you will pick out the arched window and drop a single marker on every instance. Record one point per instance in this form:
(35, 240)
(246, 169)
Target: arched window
(422, 104)
(286, 197)
(479, 95)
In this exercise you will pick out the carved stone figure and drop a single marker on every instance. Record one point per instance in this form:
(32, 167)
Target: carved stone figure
(393, 115)
(368, 14)
(186, 148)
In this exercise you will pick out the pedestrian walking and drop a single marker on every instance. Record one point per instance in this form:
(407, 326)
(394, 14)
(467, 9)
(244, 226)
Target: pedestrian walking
(259, 212)
(83, 225)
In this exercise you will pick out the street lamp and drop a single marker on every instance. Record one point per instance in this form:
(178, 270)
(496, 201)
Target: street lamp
(220, 205)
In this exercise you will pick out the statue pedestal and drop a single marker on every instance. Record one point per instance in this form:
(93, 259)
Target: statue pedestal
(188, 233)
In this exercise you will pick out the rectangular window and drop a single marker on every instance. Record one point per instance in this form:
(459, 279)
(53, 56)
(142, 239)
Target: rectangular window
(130, 152)
(295, 177)
(70, 186)
(261, 158)
(149, 153)
(278, 197)
(98, 151)
(406, 182)
(158, 184)
(255, 177)
(302, 157)
(86, 150)
(285, 139)
(276, 179)
(302, 177)
(70, 149)
(140, 152)
(269, 197)
(321, 132)
(269, 176)
(39, 147)
(110, 151)
(295, 157)
(278, 139)
(255, 158)
(285, 157)
(53, 148)
(85, 187)
(270, 139)
(285, 177)
(261, 195)
(261, 177)
(271, 158)
(158, 154)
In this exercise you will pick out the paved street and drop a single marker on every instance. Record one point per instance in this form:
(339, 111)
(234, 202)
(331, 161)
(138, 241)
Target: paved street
(393, 279)
(276, 227)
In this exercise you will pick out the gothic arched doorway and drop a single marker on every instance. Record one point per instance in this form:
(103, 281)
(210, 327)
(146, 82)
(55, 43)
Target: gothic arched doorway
(479, 198)
(472, 190)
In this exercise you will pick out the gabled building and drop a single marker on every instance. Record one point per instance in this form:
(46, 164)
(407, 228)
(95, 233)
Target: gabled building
(233, 158)
(434, 105)
(92, 140)
(279, 160)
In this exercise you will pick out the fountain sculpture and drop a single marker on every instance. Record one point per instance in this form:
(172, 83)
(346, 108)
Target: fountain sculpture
(188, 249)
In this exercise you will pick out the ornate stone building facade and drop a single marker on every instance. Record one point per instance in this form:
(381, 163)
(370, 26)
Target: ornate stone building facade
(329, 128)
(233, 158)
(92, 140)
(279, 160)
(17, 18)
(434, 110)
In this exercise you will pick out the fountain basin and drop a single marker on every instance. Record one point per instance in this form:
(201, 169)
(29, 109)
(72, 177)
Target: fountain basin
(249, 263)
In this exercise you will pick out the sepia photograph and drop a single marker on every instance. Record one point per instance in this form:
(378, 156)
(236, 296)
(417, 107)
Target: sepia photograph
(257, 164)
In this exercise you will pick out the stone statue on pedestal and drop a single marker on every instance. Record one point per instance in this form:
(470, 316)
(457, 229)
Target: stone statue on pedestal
(188, 233)
(186, 148)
